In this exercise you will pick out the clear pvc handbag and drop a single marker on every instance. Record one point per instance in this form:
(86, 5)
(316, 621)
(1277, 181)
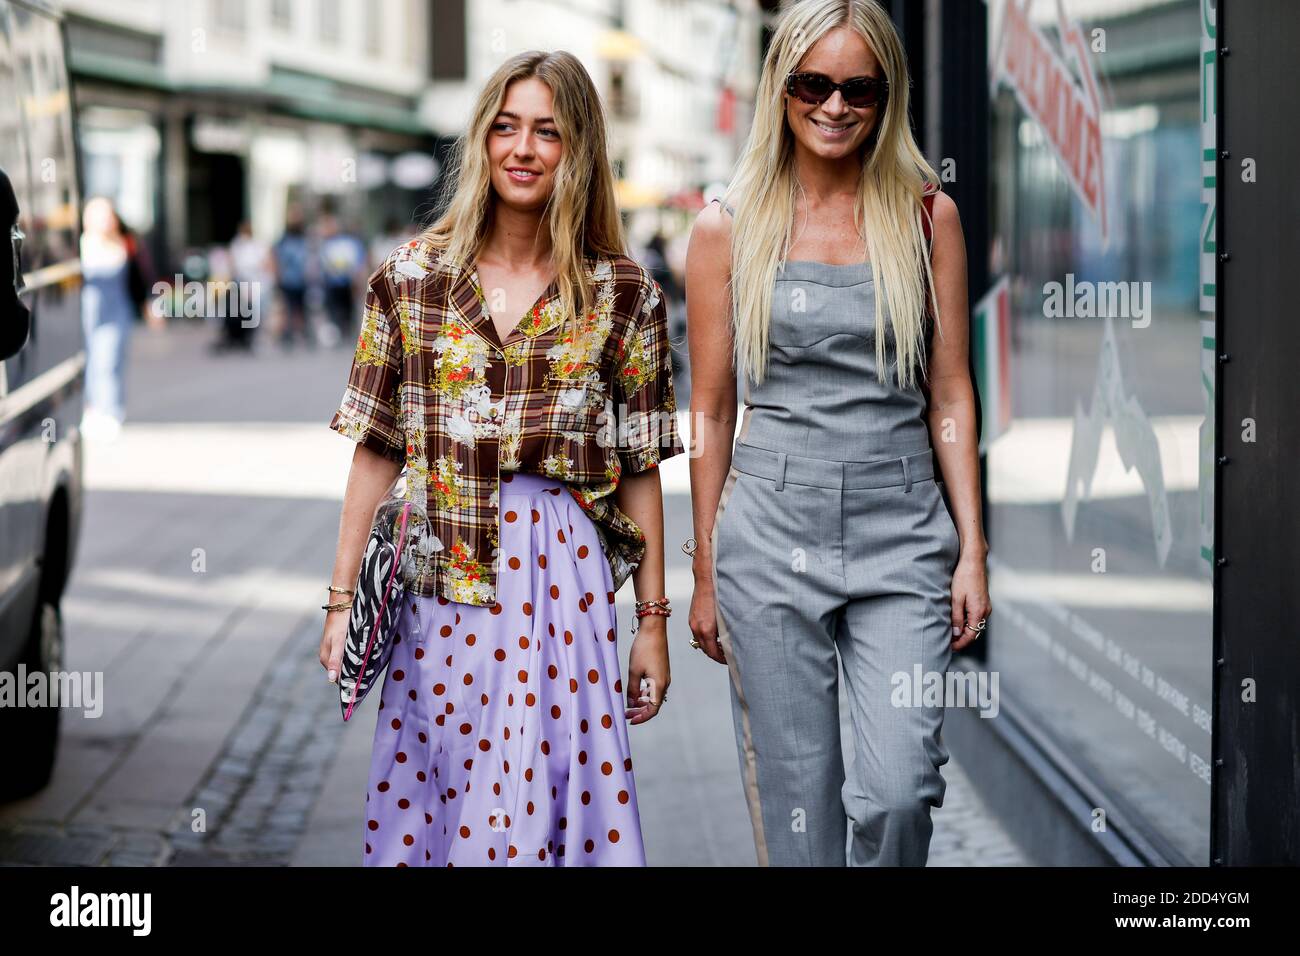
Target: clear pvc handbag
(395, 559)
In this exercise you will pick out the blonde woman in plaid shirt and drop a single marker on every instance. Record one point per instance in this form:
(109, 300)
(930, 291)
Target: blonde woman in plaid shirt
(515, 362)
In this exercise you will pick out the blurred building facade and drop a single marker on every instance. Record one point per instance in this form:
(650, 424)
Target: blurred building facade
(196, 115)
(677, 78)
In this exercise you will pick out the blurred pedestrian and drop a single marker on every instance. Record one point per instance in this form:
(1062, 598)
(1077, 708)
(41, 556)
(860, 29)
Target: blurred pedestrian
(249, 263)
(656, 260)
(342, 262)
(291, 254)
(115, 287)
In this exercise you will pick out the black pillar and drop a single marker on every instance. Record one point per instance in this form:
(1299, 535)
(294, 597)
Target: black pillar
(1255, 807)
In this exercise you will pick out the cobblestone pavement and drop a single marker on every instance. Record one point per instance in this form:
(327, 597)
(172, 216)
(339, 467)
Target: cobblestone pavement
(251, 806)
(260, 791)
(965, 833)
(209, 537)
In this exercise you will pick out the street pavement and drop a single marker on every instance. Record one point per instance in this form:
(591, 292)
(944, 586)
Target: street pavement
(209, 536)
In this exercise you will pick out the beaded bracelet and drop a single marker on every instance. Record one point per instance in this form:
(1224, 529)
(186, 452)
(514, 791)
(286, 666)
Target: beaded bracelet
(661, 607)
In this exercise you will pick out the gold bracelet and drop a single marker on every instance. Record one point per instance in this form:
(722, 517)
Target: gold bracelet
(338, 590)
(337, 606)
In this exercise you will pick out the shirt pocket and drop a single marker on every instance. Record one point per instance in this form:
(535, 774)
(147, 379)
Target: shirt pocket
(573, 449)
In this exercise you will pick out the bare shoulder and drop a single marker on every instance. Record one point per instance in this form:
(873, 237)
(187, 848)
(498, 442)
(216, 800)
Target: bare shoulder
(946, 217)
(710, 237)
(949, 246)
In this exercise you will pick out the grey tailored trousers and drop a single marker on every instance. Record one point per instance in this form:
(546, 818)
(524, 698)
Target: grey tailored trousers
(812, 557)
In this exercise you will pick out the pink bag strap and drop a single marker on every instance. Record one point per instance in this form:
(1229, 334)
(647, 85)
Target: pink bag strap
(379, 617)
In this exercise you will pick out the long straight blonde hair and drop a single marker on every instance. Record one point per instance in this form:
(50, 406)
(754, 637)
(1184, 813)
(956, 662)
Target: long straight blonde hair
(887, 211)
(581, 213)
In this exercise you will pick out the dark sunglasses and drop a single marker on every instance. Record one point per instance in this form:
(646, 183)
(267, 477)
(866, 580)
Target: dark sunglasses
(816, 88)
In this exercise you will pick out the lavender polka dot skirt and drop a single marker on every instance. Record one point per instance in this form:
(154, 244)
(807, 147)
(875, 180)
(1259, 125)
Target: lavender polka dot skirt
(501, 738)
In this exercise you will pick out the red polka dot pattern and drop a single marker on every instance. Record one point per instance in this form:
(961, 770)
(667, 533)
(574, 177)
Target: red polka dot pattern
(534, 769)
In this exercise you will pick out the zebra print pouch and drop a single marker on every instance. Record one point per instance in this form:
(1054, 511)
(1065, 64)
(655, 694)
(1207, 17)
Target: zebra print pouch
(376, 606)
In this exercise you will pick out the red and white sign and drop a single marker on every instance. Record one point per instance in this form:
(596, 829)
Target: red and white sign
(1067, 110)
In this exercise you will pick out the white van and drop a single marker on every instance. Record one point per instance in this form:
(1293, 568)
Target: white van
(42, 362)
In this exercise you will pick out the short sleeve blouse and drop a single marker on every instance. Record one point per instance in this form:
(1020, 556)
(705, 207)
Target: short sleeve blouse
(434, 388)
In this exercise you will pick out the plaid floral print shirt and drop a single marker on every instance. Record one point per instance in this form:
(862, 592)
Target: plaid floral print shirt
(432, 387)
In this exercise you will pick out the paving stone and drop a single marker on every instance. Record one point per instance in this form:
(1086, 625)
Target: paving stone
(52, 849)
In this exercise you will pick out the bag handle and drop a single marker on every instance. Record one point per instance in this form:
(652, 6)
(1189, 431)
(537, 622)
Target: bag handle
(379, 617)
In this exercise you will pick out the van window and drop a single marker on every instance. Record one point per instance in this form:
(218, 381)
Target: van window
(13, 138)
(36, 47)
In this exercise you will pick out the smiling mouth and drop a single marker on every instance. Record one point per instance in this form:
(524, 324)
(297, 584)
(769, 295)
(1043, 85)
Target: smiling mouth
(523, 175)
(834, 129)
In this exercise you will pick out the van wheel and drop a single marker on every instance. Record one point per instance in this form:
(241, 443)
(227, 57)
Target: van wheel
(31, 734)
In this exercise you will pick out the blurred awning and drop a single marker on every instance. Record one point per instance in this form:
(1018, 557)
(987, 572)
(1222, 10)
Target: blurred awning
(630, 195)
(618, 45)
(288, 91)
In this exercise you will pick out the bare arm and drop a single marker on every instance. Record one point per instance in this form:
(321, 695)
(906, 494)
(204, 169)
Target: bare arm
(952, 418)
(640, 497)
(713, 401)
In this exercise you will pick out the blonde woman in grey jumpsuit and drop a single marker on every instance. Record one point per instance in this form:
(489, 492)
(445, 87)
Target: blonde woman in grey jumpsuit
(824, 537)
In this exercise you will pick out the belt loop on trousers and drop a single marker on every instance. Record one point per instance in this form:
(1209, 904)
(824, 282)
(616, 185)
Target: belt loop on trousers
(780, 470)
(907, 476)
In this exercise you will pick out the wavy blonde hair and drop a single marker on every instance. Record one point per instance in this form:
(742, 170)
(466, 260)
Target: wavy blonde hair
(894, 175)
(581, 213)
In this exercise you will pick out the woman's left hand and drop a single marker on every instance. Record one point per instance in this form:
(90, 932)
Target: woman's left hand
(970, 600)
(648, 659)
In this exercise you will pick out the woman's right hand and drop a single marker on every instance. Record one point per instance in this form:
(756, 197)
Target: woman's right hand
(703, 618)
(333, 636)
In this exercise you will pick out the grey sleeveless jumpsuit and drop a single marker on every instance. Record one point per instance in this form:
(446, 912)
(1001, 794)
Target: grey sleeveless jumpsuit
(832, 535)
